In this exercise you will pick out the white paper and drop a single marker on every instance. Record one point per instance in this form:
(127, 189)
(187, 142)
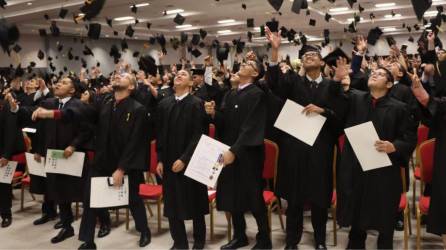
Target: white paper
(362, 137)
(103, 195)
(29, 130)
(34, 167)
(57, 164)
(207, 161)
(305, 128)
(7, 172)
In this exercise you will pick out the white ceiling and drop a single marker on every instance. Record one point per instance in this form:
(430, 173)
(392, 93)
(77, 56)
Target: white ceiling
(205, 14)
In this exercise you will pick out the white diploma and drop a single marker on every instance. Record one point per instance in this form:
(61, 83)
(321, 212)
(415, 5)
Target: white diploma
(303, 127)
(207, 161)
(56, 163)
(34, 167)
(362, 137)
(7, 172)
(104, 194)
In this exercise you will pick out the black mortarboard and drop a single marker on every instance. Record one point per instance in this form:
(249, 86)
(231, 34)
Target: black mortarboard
(374, 35)
(303, 38)
(179, 19)
(201, 45)
(59, 47)
(175, 43)
(46, 16)
(19, 72)
(326, 36)
(92, 8)
(196, 53)
(249, 36)
(361, 9)
(183, 37)
(94, 31)
(114, 52)
(409, 28)
(273, 25)
(76, 58)
(276, 4)
(307, 48)
(283, 32)
(161, 40)
(109, 21)
(115, 33)
(390, 40)
(129, 31)
(352, 27)
(55, 31)
(84, 63)
(42, 32)
(136, 54)
(307, 13)
(331, 58)
(351, 2)
(148, 25)
(291, 35)
(70, 55)
(65, 69)
(312, 22)
(298, 5)
(17, 48)
(244, 6)
(52, 67)
(420, 7)
(411, 39)
(3, 3)
(40, 55)
(9, 34)
(222, 53)
(87, 51)
(148, 65)
(327, 17)
(195, 39)
(250, 22)
(134, 9)
(416, 27)
(124, 45)
(50, 58)
(32, 64)
(63, 13)
(239, 46)
(262, 30)
(197, 71)
(203, 33)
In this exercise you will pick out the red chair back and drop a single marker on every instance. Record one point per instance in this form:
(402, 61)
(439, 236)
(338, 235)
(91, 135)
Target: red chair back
(426, 152)
(90, 155)
(341, 143)
(19, 158)
(422, 134)
(271, 158)
(153, 157)
(212, 130)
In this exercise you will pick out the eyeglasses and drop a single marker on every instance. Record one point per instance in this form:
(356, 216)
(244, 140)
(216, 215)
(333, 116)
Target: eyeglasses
(378, 73)
(310, 54)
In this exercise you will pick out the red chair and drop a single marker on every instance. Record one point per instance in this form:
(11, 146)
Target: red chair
(269, 172)
(212, 130)
(150, 190)
(426, 152)
(212, 195)
(422, 136)
(404, 207)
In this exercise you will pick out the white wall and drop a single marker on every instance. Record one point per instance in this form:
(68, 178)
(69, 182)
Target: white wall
(31, 44)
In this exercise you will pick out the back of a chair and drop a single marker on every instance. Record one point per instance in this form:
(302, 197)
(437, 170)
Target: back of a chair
(153, 157)
(27, 143)
(426, 152)
(341, 143)
(271, 159)
(422, 134)
(212, 130)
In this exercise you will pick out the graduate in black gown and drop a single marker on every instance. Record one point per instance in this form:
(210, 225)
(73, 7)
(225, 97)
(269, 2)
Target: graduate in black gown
(369, 200)
(180, 125)
(69, 136)
(11, 143)
(204, 87)
(304, 174)
(122, 146)
(240, 122)
(434, 111)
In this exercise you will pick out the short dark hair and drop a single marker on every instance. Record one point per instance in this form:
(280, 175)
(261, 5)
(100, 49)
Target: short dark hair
(389, 75)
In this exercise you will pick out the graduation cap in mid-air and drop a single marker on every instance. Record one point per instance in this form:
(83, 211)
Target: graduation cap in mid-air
(148, 25)
(351, 2)
(196, 53)
(115, 53)
(195, 39)
(3, 3)
(183, 37)
(327, 17)
(249, 35)
(17, 48)
(326, 36)
(240, 45)
(291, 35)
(94, 31)
(298, 5)
(179, 19)
(312, 22)
(273, 25)
(87, 51)
(63, 13)
(124, 45)
(129, 31)
(420, 7)
(337, 53)
(148, 65)
(276, 4)
(92, 8)
(134, 9)
(243, 6)
(250, 22)
(55, 31)
(222, 53)
(136, 54)
(40, 55)
(9, 34)
(203, 33)
(374, 35)
(109, 22)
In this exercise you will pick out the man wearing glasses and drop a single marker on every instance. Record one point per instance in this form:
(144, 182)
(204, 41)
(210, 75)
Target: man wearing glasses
(304, 175)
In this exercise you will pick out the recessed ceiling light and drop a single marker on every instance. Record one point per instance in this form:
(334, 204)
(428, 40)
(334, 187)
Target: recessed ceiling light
(383, 5)
(136, 37)
(390, 16)
(107, 35)
(226, 21)
(430, 13)
(307, 1)
(140, 5)
(81, 14)
(388, 29)
(338, 9)
(183, 26)
(224, 31)
(175, 11)
(352, 19)
(124, 18)
(29, 4)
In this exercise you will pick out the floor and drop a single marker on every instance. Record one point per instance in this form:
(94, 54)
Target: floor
(23, 235)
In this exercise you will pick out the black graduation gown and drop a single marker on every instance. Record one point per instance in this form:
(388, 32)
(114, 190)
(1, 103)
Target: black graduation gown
(164, 92)
(180, 128)
(11, 143)
(372, 197)
(209, 93)
(436, 113)
(241, 124)
(305, 173)
(59, 134)
(145, 97)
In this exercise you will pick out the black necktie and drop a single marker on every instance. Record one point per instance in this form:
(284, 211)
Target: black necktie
(313, 84)
(60, 105)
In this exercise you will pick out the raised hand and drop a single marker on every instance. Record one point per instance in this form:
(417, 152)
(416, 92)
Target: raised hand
(342, 69)
(361, 44)
(274, 38)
